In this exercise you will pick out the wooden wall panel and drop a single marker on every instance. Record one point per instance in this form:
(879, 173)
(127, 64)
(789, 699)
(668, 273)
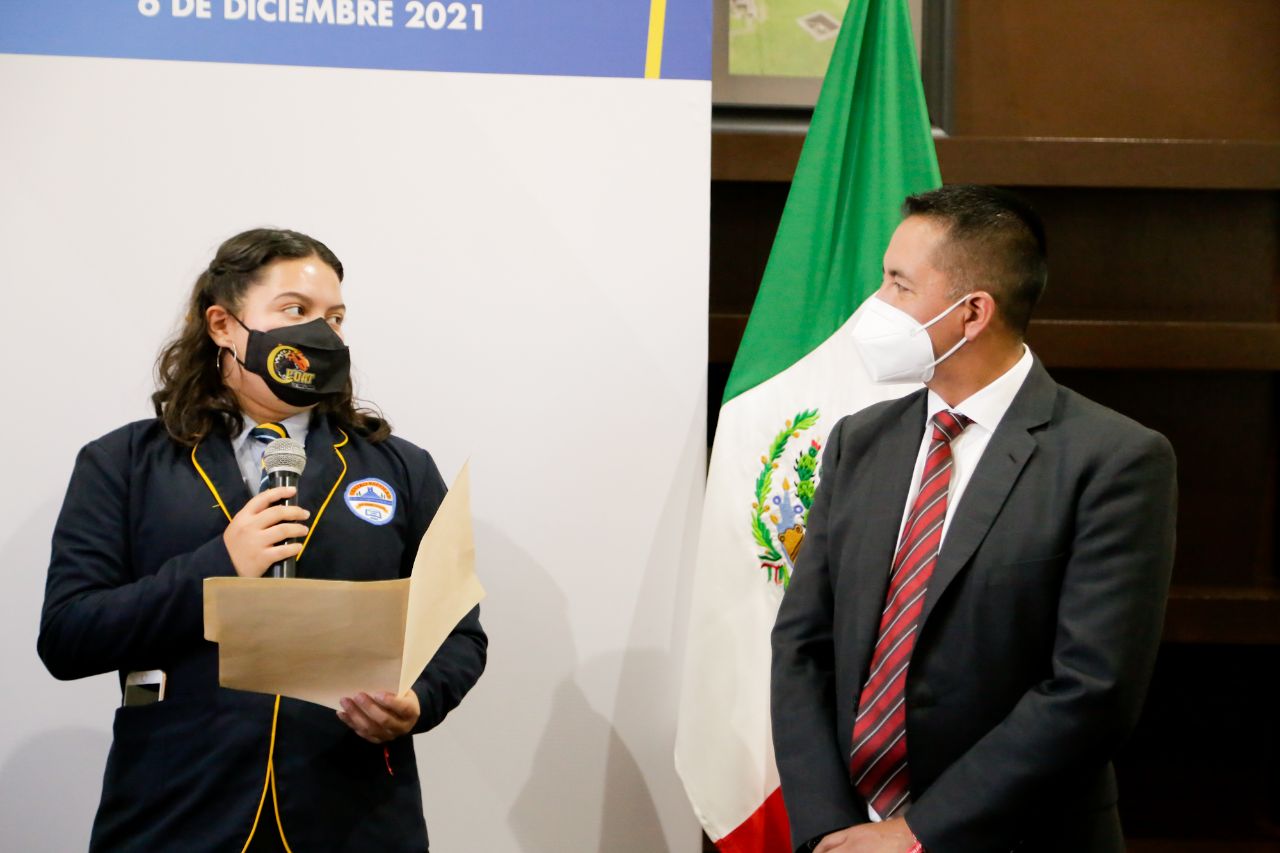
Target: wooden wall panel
(1222, 427)
(1201, 764)
(1149, 255)
(1116, 254)
(1207, 69)
(744, 219)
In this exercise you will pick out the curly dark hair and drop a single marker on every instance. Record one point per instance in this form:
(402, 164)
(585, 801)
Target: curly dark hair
(191, 399)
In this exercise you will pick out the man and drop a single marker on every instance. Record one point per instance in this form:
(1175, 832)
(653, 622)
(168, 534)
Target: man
(976, 610)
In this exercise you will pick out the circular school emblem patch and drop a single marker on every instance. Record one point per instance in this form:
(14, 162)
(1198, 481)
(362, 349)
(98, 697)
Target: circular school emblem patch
(371, 500)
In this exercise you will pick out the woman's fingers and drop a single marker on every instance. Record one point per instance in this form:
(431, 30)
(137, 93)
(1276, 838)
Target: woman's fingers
(257, 536)
(276, 515)
(280, 532)
(267, 497)
(363, 721)
(283, 552)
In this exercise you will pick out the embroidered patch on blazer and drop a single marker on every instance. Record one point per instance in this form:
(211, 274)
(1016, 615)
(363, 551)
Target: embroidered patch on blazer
(371, 500)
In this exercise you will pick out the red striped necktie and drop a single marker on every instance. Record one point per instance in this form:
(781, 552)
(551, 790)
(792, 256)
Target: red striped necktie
(878, 762)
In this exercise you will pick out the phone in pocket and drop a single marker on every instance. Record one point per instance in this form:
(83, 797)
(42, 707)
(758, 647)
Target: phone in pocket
(144, 687)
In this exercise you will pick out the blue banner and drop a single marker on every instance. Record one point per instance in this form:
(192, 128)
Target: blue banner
(588, 38)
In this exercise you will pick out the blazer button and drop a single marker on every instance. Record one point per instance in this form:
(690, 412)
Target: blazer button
(920, 696)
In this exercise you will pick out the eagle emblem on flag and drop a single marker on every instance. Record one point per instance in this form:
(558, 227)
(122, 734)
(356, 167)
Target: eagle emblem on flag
(780, 511)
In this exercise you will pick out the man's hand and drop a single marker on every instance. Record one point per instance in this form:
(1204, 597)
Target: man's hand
(890, 836)
(382, 718)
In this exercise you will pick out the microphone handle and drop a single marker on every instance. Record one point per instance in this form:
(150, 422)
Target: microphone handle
(287, 568)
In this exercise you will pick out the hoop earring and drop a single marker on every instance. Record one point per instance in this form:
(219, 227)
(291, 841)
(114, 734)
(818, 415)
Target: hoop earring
(217, 358)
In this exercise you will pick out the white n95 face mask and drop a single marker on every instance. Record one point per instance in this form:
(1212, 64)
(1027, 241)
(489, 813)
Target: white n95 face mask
(894, 346)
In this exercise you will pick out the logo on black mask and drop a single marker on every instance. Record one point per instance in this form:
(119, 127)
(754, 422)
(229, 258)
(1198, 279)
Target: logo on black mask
(288, 366)
(302, 363)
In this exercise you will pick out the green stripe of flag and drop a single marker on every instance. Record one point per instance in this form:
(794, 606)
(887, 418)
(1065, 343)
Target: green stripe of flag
(869, 146)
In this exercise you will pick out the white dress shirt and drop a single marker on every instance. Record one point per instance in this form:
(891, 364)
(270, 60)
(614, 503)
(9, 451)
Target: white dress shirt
(986, 409)
(249, 452)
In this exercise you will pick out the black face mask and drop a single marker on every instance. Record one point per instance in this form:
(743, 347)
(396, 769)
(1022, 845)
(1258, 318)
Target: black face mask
(301, 364)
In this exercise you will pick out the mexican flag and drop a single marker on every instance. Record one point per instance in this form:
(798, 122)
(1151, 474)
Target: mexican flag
(796, 373)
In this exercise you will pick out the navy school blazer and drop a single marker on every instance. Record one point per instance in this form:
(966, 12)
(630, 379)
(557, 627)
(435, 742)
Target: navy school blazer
(139, 531)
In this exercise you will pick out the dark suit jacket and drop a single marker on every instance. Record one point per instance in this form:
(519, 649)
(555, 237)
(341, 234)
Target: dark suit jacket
(1038, 636)
(139, 531)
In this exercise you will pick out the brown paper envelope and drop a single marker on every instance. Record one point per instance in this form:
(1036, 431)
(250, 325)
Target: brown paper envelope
(324, 640)
(309, 639)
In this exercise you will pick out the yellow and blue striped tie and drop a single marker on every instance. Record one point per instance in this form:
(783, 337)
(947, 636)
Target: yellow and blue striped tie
(264, 434)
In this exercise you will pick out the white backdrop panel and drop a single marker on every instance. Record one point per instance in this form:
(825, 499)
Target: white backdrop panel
(526, 264)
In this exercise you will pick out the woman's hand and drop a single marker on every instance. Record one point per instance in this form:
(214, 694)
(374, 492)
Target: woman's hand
(380, 718)
(255, 537)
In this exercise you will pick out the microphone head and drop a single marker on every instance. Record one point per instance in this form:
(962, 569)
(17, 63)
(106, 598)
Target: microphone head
(284, 454)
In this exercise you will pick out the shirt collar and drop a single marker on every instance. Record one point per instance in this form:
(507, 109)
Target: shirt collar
(987, 407)
(296, 426)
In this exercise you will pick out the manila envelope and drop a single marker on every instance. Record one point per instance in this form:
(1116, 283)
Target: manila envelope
(321, 640)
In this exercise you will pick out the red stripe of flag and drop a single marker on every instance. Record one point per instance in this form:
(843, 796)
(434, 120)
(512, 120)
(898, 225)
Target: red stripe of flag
(767, 830)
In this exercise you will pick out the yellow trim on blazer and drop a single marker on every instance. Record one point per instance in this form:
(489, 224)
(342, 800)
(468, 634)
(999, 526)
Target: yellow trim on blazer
(269, 783)
(203, 476)
(271, 774)
(334, 488)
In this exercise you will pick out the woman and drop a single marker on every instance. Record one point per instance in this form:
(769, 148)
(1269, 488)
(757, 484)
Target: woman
(157, 506)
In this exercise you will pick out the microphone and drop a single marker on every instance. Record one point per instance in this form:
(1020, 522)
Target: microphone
(283, 460)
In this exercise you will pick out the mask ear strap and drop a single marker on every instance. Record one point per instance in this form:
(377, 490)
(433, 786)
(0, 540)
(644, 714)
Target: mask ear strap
(963, 340)
(946, 355)
(962, 300)
(235, 355)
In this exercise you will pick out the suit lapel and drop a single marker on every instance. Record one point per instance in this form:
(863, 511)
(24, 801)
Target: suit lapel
(215, 463)
(883, 492)
(326, 468)
(998, 469)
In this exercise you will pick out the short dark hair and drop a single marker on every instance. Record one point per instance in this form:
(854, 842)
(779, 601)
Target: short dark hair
(994, 242)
